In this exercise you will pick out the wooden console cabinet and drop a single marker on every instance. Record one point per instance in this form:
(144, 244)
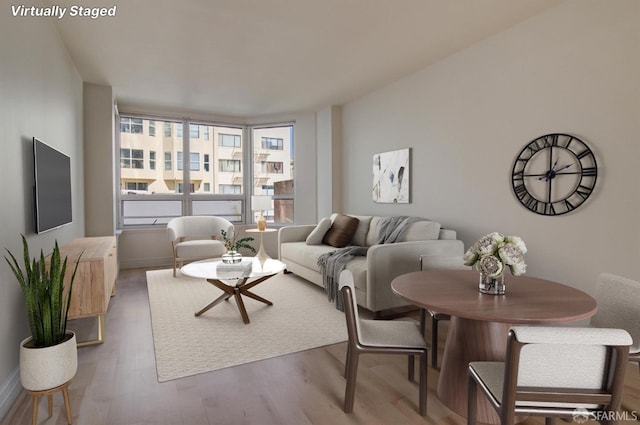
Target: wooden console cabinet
(95, 279)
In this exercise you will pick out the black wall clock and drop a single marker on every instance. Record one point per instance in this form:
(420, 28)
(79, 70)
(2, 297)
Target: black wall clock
(554, 174)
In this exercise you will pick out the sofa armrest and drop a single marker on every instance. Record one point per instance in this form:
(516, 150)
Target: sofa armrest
(294, 234)
(387, 261)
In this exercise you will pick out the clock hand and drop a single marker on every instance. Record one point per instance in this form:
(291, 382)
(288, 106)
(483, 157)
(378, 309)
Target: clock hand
(554, 165)
(563, 167)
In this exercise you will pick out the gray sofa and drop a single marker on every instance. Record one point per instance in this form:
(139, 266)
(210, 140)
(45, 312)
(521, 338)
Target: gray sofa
(372, 274)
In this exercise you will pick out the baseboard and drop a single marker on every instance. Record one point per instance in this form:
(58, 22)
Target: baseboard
(144, 263)
(9, 392)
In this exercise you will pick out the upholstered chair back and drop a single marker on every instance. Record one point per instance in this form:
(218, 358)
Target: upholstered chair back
(618, 306)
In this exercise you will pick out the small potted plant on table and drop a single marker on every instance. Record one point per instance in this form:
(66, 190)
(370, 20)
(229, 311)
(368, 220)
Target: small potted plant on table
(233, 246)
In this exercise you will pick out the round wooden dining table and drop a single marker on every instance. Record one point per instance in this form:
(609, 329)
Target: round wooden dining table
(480, 322)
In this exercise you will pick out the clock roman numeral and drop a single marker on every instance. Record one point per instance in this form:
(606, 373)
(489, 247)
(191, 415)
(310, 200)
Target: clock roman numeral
(583, 191)
(568, 205)
(590, 172)
(583, 153)
(535, 147)
(549, 209)
(520, 191)
(518, 175)
(554, 140)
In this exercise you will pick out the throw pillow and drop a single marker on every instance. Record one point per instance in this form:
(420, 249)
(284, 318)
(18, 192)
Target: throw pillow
(317, 234)
(341, 232)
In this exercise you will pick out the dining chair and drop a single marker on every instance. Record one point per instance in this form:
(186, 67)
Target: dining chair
(566, 372)
(437, 262)
(619, 307)
(197, 238)
(380, 337)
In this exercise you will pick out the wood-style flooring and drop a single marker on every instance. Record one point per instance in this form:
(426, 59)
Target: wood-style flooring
(116, 383)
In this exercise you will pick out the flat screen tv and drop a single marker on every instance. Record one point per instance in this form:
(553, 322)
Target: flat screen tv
(52, 187)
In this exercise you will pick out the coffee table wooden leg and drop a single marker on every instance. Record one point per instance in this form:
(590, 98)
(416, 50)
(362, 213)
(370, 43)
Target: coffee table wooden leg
(212, 304)
(241, 307)
(256, 297)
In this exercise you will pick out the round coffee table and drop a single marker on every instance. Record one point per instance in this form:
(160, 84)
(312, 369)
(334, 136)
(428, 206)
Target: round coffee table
(235, 280)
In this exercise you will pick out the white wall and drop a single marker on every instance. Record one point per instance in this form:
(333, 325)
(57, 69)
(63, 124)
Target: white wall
(40, 95)
(573, 69)
(99, 159)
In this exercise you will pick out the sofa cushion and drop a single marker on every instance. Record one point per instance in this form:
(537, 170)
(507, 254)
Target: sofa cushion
(417, 231)
(341, 232)
(422, 231)
(317, 234)
(303, 254)
(360, 237)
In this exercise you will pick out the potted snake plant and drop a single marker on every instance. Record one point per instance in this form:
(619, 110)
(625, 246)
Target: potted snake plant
(49, 357)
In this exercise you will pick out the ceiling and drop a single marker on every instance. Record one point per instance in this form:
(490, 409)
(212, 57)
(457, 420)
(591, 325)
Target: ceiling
(259, 58)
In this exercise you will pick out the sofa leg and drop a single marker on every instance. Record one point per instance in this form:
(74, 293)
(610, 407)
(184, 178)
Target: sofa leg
(287, 271)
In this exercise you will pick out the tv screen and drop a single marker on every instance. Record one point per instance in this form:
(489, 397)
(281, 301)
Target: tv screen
(52, 187)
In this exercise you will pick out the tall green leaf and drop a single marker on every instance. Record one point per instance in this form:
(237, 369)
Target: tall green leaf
(46, 301)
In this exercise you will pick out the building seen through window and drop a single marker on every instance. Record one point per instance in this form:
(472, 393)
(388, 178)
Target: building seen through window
(211, 161)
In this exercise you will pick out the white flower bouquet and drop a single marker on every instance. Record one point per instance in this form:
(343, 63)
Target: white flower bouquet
(493, 253)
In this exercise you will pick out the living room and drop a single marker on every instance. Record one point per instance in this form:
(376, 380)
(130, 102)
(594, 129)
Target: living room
(570, 67)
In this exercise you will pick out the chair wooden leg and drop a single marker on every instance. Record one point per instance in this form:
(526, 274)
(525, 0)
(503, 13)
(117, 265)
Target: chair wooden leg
(472, 402)
(346, 361)
(434, 342)
(411, 375)
(549, 421)
(422, 394)
(350, 391)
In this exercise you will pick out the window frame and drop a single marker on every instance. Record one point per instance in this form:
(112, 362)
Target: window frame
(242, 201)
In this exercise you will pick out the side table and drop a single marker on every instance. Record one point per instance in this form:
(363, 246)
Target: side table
(262, 254)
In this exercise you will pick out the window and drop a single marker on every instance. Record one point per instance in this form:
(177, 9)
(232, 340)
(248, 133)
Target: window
(271, 167)
(194, 131)
(137, 186)
(219, 180)
(230, 189)
(131, 158)
(194, 161)
(230, 140)
(131, 125)
(272, 143)
(181, 188)
(229, 165)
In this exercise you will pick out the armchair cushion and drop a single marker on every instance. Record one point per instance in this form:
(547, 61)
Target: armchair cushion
(341, 232)
(200, 248)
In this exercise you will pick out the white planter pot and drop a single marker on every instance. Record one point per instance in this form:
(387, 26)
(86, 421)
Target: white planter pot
(49, 367)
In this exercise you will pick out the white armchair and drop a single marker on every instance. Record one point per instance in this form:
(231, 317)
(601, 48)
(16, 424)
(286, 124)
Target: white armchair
(197, 238)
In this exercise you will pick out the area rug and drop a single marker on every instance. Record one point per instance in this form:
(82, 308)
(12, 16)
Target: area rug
(300, 318)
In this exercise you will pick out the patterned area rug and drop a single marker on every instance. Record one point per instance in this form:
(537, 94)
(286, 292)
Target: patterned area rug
(300, 318)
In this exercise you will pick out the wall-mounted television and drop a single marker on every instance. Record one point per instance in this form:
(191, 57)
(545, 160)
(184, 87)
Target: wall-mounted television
(52, 187)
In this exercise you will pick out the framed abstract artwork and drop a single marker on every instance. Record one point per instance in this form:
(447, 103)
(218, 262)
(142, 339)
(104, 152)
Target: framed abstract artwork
(391, 176)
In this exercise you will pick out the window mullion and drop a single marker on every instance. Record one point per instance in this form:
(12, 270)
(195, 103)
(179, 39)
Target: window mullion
(186, 167)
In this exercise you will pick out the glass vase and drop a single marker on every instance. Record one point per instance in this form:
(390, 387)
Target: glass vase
(231, 257)
(491, 285)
